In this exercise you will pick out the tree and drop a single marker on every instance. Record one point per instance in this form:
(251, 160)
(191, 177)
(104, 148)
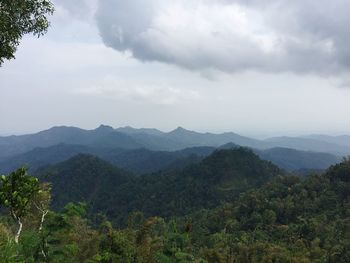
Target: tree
(17, 191)
(20, 17)
(41, 201)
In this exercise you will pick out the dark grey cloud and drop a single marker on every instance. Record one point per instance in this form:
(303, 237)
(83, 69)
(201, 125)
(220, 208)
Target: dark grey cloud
(306, 36)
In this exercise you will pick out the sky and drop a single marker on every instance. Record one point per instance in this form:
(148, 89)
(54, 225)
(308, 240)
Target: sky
(259, 68)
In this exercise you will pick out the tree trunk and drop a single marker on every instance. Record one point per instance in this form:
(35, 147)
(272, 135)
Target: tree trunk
(20, 225)
(44, 213)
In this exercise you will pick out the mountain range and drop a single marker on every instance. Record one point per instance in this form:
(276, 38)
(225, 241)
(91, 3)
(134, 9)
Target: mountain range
(153, 139)
(149, 150)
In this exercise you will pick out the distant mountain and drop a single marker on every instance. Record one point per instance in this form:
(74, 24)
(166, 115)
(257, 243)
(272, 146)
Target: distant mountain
(340, 140)
(147, 161)
(105, 188)
(292, 160)
(137, 161)
(308, 144)
(13, 145)
(38, 157)
(181, 138)
(126, 138)
(103, 136)
(129, 138)
(131, 130)
(192, 138)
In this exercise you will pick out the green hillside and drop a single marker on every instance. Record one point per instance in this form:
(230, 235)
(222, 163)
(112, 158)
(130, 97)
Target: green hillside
(231, 207)
(219, 177)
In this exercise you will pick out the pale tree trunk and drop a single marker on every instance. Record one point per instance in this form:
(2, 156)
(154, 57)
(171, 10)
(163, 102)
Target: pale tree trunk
(44, 213)
(20, 226)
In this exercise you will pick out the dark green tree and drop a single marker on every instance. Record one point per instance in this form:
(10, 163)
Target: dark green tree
(20, 17)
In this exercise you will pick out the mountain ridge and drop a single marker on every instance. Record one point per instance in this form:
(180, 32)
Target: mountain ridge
(146, 161)
(153, 139)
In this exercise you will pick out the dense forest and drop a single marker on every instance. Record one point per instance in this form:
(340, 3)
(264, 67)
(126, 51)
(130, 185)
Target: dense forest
(230, 207)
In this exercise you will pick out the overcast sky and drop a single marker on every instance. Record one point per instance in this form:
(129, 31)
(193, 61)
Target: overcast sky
(259, 68)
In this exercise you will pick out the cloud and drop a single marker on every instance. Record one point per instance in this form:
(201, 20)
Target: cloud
(79, 9)
(112, 88)
(231, 35)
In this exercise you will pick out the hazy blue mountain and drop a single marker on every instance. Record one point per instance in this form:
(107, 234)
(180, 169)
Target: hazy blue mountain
(41, 156)
(131, 130)
(200, 151)
(181, 138)
(340, 140)
(177, 139)
(307, 144)
(147, 161)
(126, 138)
(291, 160)
(192, 138)
(149, 150)
(152, 139)
(135, 160)
(160, 143)
(103, 136)
(131, 139)
(12, 145)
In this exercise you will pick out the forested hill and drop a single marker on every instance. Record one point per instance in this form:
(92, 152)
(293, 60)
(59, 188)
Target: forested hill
(286, 220)
(83, 178)
(231, 207)
(134, 160)
(218, 178)
(147, 161)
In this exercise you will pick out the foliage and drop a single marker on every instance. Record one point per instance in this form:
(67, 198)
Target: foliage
(286, 219)
(20, 17)
(17, 191)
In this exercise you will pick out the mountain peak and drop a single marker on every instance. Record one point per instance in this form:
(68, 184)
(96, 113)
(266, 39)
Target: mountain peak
(132, 130)
(180, 130)
(104, 128)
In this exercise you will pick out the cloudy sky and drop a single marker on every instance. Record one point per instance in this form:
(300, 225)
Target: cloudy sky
(259, 68)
